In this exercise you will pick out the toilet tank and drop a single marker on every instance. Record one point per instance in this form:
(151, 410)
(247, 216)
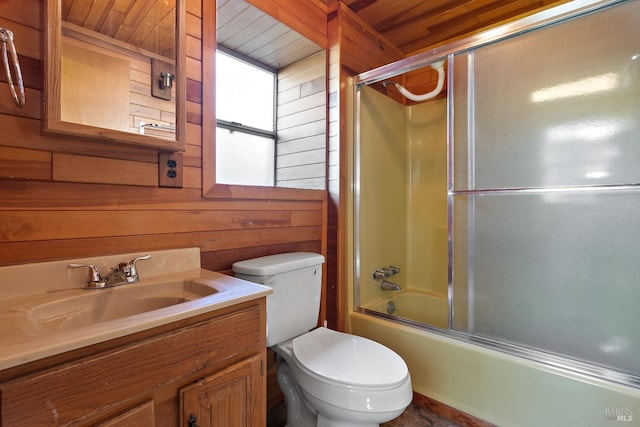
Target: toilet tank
(296, 280)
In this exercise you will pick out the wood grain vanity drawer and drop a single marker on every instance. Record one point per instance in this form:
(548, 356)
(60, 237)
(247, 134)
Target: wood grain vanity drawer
(100, 384)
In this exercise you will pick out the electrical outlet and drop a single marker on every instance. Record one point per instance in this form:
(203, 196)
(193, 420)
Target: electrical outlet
(170, 170)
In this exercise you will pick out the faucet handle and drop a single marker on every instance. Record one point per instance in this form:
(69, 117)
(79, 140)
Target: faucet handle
(131, 270)
(384, 272)
(392, 269)
(94, 280)
(379, 274)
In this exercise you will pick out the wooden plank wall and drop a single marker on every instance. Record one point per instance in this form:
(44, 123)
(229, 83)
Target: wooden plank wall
(335, 290)
(139, 106)
(302, 123)
(361, 47)
(109, 80)
(354, 47)
(65, 198)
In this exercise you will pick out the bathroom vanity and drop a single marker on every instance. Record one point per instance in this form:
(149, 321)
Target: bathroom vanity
(198, 362)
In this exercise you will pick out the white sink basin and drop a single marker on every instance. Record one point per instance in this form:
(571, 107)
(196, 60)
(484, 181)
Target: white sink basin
(91, 307)
(45, 310)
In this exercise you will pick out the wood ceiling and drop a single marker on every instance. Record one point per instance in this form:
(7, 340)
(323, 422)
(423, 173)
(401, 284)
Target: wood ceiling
(247, 30)
(411, 25)
(414, 25)
(148, 24)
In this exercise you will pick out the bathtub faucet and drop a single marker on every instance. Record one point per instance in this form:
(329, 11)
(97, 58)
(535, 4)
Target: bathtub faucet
(389, 286)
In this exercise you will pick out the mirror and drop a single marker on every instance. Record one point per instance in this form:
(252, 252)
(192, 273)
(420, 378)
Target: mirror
(116, 72)
(287, 148)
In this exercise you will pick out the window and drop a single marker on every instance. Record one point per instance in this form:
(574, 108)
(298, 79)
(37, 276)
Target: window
(245, 134)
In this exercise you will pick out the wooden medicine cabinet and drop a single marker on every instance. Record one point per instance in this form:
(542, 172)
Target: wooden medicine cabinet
(116, 75)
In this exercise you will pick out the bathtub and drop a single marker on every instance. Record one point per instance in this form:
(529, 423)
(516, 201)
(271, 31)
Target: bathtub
(421, 307)
(499, 388)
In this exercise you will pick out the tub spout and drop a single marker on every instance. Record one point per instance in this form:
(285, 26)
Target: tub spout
(389, 286)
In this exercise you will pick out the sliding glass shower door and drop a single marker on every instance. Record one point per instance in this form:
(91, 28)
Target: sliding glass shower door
(544, 193)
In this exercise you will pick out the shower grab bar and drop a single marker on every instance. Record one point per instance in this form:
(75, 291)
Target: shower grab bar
(6, 37)
(144, 125)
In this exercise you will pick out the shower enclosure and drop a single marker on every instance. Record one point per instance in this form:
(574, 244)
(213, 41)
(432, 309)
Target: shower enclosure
(510, 208)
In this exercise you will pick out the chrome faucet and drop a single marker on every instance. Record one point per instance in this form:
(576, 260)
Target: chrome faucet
(389, 286)
(384, 272)
(122, 274)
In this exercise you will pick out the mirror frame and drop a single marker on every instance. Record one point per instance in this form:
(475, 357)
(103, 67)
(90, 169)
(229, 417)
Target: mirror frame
(211, 189)
(53, 124)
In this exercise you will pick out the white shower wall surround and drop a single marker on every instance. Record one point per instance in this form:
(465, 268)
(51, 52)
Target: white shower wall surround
(544, 191)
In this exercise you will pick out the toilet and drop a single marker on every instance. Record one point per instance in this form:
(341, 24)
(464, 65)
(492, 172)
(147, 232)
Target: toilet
(328, 378)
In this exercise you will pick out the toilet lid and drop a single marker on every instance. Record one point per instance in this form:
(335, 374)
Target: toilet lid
(348, 359)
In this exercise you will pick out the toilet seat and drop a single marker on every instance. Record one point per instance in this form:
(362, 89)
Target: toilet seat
(342, 375)
(348, 361)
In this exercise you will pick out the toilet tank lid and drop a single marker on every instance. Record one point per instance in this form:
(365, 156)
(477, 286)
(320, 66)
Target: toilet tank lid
(279, 263)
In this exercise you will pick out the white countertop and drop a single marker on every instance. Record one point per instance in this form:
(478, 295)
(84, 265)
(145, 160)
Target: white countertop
(23, 341)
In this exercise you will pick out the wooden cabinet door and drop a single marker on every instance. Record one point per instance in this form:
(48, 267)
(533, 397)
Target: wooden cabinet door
(232, 397)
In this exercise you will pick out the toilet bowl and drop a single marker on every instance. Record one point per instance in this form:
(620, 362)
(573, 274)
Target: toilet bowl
(347, 380)
(328, 378)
